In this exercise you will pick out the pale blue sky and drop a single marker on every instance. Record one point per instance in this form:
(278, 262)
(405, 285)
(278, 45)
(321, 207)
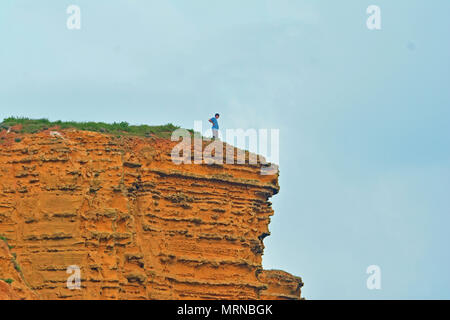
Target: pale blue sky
(363, 115)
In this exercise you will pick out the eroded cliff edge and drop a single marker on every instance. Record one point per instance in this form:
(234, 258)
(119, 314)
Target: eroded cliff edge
(137, 225)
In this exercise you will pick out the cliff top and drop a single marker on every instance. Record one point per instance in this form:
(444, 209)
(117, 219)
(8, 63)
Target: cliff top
(27, 125)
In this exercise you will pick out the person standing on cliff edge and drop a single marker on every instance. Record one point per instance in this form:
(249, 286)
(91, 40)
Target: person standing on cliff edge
(215, 127)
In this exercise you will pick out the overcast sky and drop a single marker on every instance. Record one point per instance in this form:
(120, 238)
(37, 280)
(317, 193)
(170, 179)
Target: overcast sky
(363, 114)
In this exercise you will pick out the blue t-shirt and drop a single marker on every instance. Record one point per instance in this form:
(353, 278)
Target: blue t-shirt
(215, 123)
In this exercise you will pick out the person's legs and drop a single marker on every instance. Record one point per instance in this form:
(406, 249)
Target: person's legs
(215, 133)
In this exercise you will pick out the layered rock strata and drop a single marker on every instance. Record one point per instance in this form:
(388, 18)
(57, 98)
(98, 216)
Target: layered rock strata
(137, 225)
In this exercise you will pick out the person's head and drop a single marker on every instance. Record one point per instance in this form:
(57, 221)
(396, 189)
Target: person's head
(217, 116)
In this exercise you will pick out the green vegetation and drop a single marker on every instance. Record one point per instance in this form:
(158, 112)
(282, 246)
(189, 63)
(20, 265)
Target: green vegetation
(118, 129)
(3, 238)
(8, 281)
(13, 259)
(14, 262)
(16, 265)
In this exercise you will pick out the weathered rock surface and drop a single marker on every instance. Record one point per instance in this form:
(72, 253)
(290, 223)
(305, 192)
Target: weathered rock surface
(137, 225)
(12, 283)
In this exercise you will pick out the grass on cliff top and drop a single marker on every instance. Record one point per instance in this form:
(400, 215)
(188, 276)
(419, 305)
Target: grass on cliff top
(122, 128)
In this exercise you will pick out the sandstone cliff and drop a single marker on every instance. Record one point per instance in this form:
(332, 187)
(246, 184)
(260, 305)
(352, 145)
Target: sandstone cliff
(137, 225)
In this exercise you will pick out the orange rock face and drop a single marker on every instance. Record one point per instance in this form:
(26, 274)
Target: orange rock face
(12, 283)
(137, 225)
